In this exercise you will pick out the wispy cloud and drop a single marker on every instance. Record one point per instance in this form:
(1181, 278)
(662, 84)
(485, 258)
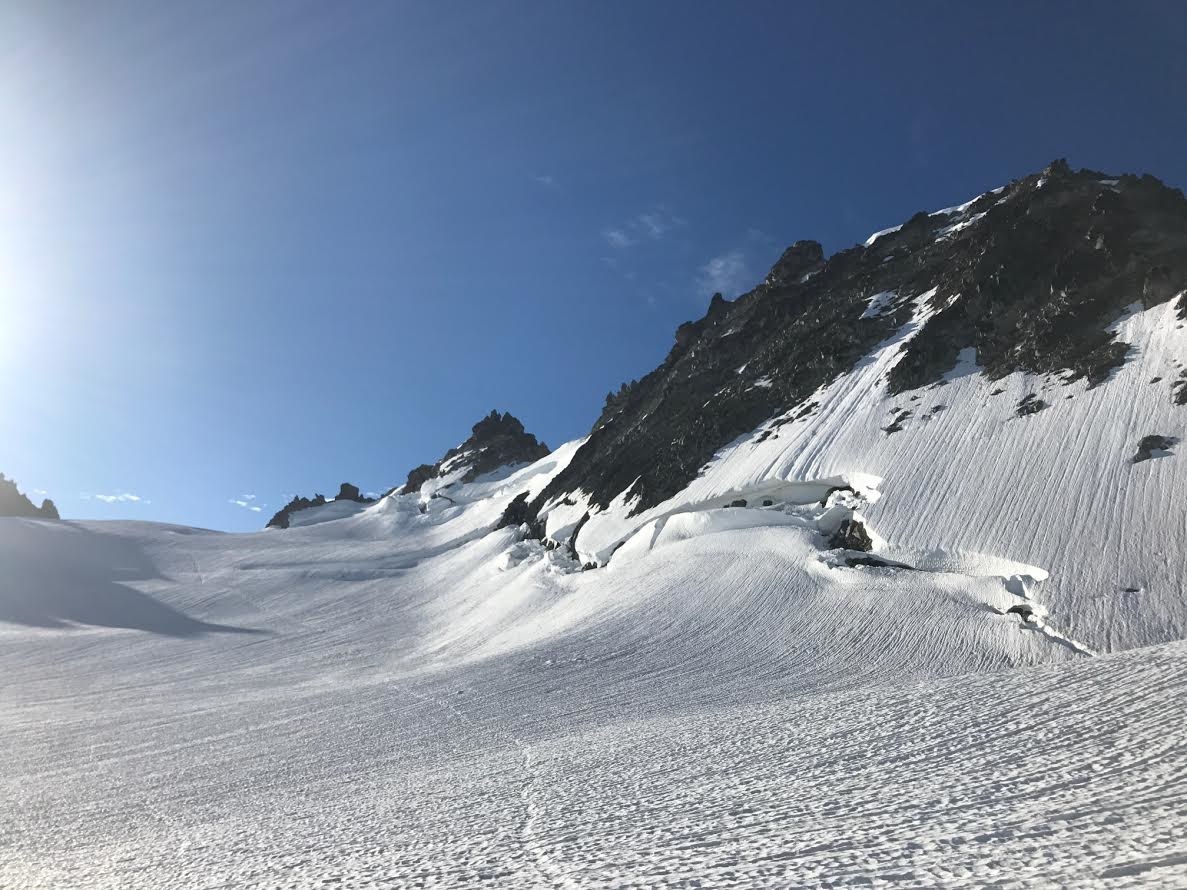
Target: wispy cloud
(727, 274)
(650, 225)
(122, 497)
(618, 238)
(546, 179)
(245, 501)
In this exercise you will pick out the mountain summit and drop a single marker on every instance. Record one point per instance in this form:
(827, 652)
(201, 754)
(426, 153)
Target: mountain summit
(498, 440)
(1028, 278)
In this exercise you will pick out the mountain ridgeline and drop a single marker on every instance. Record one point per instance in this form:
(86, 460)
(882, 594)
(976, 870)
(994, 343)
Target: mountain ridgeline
(1030, 277)
(498, 440)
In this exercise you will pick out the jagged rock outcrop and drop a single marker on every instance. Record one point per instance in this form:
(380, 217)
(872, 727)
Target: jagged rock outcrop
(1023, 611)
(851, 535)
(346, 492)
(282, 516)
(498, 440)
(349, 492)
(1154, 446)
(801, 259)
(1030, 277)
(14, 503)
(518, 513)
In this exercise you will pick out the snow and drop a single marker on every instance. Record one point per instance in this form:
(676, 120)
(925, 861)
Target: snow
(725, 707)
(880, 303)
(874, 237)
(947, 211)
(325, 513)
(398, 695)
(965, 474)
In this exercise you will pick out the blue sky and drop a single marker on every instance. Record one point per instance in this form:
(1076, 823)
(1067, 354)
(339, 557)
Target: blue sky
(262, 248)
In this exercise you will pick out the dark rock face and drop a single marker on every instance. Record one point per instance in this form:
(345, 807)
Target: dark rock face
(1154, 446)
(1029, 404)
(518, 513)
(13, 503)
(498, 440)
(281, 518)
(348, 492)
(572, 545)
(801, 259)
(418, 476)
(851, 535)
(1029, 277)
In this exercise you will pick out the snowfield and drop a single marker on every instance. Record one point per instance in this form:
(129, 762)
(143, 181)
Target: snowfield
(404, 699)
(400, 695)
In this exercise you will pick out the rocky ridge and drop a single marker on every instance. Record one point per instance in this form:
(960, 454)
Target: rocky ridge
(14, 503)
(498, 440)
(346, 492)
(1029, 277)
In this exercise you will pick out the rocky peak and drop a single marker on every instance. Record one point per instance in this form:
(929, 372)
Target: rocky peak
(497, 440)
(802, 258)
(14, 503)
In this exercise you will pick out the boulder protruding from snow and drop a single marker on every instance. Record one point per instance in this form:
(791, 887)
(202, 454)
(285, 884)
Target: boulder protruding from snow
(13, 503)
(1023, 611)
(851, 535)
(1154, 446)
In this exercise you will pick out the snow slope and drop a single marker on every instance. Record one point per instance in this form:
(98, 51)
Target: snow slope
(967, 478)
(402, 698)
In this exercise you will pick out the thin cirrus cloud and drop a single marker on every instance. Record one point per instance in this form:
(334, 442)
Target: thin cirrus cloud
(245, 501)
(726, 274)
(650, 225)
(545, 179)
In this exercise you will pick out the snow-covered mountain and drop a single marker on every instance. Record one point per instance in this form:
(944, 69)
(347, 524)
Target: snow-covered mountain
(875, 581)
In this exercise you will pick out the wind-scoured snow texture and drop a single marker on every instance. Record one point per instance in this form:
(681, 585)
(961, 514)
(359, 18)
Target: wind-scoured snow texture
(997, 364)
(404, 698)
(965, 477)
